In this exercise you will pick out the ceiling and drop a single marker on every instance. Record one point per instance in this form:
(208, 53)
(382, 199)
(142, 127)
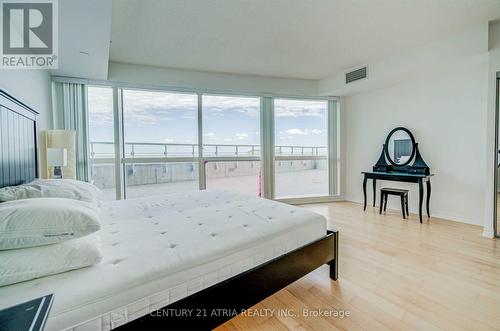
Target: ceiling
(310, 39)
(84, 33)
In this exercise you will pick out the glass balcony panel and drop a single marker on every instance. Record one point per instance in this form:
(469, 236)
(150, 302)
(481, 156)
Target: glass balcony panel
(148, 179)
(103, 176)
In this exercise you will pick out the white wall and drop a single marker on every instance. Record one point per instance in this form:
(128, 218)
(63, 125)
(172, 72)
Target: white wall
(440, 92)
(447, 115)
(156, 76)
(418, 64)
(32, 87)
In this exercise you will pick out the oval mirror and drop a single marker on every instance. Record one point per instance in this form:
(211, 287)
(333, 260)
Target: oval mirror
(400, 146)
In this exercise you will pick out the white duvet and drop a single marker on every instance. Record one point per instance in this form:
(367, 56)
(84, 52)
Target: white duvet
(158, 250)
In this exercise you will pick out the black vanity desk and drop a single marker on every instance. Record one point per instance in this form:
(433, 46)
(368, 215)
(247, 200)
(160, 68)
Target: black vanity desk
(420, 179)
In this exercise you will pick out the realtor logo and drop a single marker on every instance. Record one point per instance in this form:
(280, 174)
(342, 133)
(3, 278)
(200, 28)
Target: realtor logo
(29, 34)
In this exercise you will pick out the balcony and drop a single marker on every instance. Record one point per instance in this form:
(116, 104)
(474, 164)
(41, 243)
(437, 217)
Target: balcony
(147, 171)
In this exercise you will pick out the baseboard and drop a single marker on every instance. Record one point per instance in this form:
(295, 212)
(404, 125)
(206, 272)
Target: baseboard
(444, 216)
(311, 200)
(488, 233)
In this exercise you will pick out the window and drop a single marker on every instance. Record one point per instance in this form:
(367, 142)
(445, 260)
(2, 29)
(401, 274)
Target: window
(101, 137)
(231, 143)
(301, 148)
(231, 126)
(159, 124)
(160, 133)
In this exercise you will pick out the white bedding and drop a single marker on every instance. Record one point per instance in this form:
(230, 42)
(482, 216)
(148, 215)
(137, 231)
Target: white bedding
(18, 265)
(161, 249)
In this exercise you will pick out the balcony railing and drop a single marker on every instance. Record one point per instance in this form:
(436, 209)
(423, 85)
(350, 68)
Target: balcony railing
(103, 149)
(147, 169)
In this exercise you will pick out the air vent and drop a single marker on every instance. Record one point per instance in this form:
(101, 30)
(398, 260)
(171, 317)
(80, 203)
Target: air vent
(355, 75)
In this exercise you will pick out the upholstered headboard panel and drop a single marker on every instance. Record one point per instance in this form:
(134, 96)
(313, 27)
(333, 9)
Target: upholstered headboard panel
(18, 145)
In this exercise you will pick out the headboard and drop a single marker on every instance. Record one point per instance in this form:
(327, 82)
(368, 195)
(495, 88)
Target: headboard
(18, 145)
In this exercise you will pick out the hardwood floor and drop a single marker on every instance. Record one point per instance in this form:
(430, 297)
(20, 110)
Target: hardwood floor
(394, 275)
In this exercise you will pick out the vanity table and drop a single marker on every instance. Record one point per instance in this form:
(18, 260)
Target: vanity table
(400, 149)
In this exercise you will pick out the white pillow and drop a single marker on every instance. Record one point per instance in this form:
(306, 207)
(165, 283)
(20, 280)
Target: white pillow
(53, 188)
(35, 222)
(19, 265)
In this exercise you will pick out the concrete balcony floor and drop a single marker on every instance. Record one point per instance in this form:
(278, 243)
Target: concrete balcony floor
(288, 184)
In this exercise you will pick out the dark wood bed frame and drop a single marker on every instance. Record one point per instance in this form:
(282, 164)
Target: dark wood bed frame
(205, 309)
(219, 303)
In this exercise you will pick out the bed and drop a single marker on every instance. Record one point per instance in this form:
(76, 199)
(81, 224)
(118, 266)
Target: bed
(179, 261)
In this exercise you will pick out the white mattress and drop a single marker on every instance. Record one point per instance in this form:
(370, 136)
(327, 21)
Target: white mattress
(159, 250)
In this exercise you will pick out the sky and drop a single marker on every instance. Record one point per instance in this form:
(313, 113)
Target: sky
(160, 117)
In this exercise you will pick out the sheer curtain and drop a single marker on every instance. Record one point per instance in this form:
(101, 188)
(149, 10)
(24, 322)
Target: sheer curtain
(70, 113)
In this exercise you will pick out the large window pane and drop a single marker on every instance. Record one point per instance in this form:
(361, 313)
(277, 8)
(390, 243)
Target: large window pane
(231, 126)
(159, 124)
(146, 179)
(301, 124)
(231, 129)
(301, 130)
(237, 176)
(101, 137)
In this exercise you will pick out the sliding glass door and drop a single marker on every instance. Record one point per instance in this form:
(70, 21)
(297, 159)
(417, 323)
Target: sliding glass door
(150, 142)
(301, 148)
(231, 143)
(160, 135)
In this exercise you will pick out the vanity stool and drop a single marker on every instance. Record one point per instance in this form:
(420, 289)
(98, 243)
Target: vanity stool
(403, 194)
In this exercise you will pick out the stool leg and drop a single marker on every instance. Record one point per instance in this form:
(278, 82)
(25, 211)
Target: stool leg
(407, 212)
(381, 202)
(403, 206)
(385, 203)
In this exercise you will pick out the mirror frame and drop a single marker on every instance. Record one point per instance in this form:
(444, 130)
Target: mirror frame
(386, 147)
